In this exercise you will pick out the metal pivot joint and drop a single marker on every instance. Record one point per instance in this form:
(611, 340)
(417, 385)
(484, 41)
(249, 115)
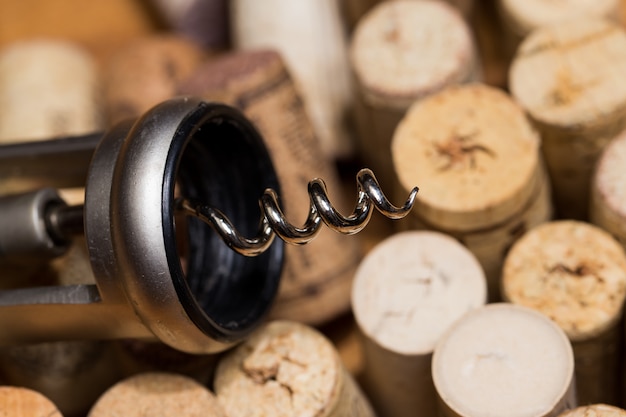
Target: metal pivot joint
(184, 156)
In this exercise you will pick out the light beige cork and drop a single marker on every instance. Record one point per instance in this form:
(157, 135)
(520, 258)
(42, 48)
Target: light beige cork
(157, 394)
(476, 159)
(522, 17)
(568, 77)
(48, 88)
(608, 190)
(400, 52)
(595, 410)
(317, 277)
(574, 273)
(504, 360)
(146, 72)
(287, 369)
(353, 10)
(23, 402)
(311, 38)
(407, 292)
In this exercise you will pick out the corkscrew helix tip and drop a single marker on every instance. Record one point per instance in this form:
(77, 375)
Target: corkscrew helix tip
(273, 221)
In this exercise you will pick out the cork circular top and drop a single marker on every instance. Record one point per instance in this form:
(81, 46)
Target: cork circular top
(572, 272)
(65, 80)
(503, 360)
(595, 410)
(524, 16)
(23, 402)
(609, 180)
(403, 50)
(285, 369)
(157, 394)
(412, 286)
(570, 75)
(473, 153)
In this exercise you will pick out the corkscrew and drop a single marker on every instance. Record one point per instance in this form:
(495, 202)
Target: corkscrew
(185, 156)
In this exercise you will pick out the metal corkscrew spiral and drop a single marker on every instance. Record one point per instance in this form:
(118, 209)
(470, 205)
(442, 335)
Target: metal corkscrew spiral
(273, 221)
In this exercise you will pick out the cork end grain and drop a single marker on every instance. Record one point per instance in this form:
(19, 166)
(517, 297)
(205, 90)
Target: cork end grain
(399, 52)
(412, 286)
(473, 153)
(595, 410)
(609, 182)
(23, 402)
(569, 75)
(285, 369)
(146, 72)
(525, 16)
(503, 360)
(572, 272)
(157, 394)
(48, 88)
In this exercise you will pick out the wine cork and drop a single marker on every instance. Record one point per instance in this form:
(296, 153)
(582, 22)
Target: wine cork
(157, 394)
(476, 159)
(519, 18)
(407, 292)
(145, 73)
(608, 198)
(403, 51)
(310, 36)
(287, 369)
(23, 402)
(568, 77)
(316, 279)
(47, 88)
(595, 410)
(504, 360)
(575, 273)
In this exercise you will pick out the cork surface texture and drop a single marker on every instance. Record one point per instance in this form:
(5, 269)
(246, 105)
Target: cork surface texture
(488, 354)
(570, 75)
(609, 181)
(570, 271)
(595, 410)
(399, 54)
(411, 287)
(23, 402)
(524, 16)
(473, 153)
(157, 394)
(286, 369)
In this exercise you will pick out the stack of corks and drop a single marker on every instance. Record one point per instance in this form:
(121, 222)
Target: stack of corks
(490, 164)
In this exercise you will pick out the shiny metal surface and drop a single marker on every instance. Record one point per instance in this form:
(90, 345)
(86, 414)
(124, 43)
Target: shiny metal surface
(158, 276)
(273, 222)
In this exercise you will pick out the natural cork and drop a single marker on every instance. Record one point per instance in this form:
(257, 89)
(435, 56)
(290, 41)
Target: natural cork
(522, 17)
(23, 402)
(568, 77)
(287, 369)
(400, 54)
(407, 292)
(504, 360)
(146, 72)
(608, 190)
(316, 280)
(157, 394)
(595, 410)
(574, 273)
(309, 35)
(477, 161)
